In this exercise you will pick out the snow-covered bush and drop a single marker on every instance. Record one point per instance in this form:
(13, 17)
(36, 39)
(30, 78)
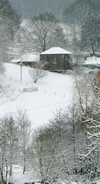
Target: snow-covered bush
(37, 73)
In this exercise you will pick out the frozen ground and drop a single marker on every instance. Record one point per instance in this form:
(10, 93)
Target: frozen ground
(54, 91)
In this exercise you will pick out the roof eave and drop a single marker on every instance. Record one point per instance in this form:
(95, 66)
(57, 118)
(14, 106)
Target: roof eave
(56, 53)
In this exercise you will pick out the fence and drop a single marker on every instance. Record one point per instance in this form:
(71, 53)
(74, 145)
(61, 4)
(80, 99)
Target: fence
(25, 87)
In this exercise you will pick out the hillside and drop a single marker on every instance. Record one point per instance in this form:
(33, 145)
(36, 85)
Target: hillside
(54, 91)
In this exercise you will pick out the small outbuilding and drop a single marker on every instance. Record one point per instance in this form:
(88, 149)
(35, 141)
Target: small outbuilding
(29, 59)
(56, 59)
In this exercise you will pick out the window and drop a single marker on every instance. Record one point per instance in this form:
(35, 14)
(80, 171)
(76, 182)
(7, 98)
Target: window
(54, 60)
(47, 59)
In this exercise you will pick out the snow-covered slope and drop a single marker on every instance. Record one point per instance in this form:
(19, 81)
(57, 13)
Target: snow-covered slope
(54, 91)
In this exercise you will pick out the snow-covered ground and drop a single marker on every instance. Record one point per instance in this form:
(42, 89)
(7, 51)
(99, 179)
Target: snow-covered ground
(31, 176)
(92, 61)
(54, 91)
(20, 178)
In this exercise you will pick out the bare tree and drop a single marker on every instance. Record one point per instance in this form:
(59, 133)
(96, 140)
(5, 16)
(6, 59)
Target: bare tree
(85, 17)
(45, 152)
(15, 138)
(89, 104)
(24, 127)
(23, 39)
(58, 146)
(37, 73)
(40, 33)
(44, 28)
(92, 151)
(91, 33)
(8, 146)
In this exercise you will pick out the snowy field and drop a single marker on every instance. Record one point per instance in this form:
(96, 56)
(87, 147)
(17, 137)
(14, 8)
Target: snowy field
(54, 91)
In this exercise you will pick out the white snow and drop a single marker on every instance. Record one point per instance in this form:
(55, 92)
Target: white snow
(56, 50)
(54, 91)
(20, 178)
(92, 61)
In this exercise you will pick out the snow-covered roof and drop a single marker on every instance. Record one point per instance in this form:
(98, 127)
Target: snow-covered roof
(55, 50)
(27, 58)
(95, 61)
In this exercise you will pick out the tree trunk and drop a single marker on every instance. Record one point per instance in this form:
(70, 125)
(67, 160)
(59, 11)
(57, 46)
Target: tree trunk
(24, 167)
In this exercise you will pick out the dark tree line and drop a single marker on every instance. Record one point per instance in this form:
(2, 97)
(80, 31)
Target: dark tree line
(85, 14)
(9, 23)
(31, 8)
